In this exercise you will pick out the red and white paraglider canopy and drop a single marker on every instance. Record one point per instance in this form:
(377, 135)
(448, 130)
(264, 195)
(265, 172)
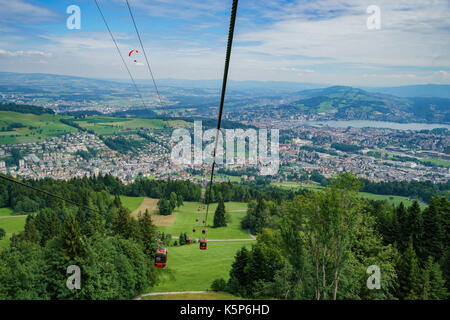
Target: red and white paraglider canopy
(131, 52)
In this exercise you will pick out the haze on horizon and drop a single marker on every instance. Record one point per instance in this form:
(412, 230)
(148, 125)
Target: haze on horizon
(325, 41)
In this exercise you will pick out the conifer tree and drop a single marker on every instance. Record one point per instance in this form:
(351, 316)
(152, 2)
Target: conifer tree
(433, 283)
(147, 232)
(122, 223)
(409, 280)
(31, 233)
(71, 237)
(403, 227)
(219, 215)
(415, 222)
(433, 235)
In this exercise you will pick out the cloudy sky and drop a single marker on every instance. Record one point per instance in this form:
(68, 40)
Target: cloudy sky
(322, 41)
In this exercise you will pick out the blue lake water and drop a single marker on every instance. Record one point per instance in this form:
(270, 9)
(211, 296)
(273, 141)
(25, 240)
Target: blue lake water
(378, 124)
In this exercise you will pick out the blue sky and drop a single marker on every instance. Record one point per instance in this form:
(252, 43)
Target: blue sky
(323, 41)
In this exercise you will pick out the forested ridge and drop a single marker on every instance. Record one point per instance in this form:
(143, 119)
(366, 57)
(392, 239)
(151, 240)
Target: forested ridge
(114, 251)
(319, 246)
(310, 245)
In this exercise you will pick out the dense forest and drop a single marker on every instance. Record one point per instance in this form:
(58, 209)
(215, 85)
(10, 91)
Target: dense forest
(114, 251)
(23, 108)
(320, 245)
(310, 245)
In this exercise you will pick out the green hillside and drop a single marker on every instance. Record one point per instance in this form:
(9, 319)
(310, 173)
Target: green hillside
(22, 128)
(341, 102)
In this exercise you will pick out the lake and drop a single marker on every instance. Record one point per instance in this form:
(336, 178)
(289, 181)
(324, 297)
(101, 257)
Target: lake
(377, 124)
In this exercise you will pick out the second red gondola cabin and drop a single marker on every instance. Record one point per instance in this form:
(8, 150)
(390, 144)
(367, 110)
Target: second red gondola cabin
(161, 258)
(203, 244)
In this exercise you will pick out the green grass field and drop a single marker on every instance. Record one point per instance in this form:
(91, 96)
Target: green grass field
(192, 269)
(189, 268)
(295, 184)
(438, 162)
(314, 187)
(194, 296)
(12, 224)
(131, 203)
(44, 126)
(5, 212)
(113, 126)
(187, 214)
(395, 200)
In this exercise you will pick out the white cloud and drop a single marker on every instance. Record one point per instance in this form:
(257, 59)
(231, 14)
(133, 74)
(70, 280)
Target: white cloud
(22, 53)
(24, 13)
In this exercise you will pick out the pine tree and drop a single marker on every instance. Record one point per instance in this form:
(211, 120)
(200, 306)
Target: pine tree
(147, 233)
(408, 272)
(238, 282)
(415, 222)
(433, 235)
(31, 233)
(71, 238)
(122, 223)
(219, 215)
(179, 200)
(403, 228)
(173, 200)
(182, 240)
(95, 225)
(433, 282)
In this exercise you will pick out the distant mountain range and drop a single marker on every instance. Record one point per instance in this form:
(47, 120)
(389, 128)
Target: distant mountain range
(341, 102)
(428, 103)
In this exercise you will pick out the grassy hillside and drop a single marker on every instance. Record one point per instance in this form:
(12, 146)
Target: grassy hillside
(315, 186)
(116, 125)
(34, 127)
(11, 224)
(194, 296)
(131, 203)
(186, 215)
(342, 102)
(192, 269)
(5, 212)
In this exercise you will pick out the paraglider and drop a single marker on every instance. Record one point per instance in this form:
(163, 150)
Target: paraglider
(133, 52)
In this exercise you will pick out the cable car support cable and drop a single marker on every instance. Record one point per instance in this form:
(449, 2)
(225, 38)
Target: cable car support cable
(145, 54)
(120, 54)
(222, 98)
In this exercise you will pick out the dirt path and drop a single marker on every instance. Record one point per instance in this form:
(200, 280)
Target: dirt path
(14, 216)
(252, 238)
(152, 206)
(139, 297)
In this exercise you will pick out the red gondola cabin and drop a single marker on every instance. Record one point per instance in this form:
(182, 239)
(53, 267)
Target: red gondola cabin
(161, 258)
(203, 244)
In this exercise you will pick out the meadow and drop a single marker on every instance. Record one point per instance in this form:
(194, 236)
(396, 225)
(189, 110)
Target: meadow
(11, 224)
(113, 125)
(192, 269)
(186, 215)
(5, 212)
(194, 296)
(36, 127)
(131, 203)
(395, 200)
